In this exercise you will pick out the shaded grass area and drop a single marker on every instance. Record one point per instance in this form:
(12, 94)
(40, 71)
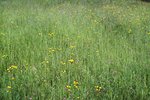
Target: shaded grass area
(55, 43)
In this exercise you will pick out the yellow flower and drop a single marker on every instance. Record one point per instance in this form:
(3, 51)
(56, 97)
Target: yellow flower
(8, 69)
(14, 67)
(50, 50)
(45, 61)
(76, 84)
(11, 68)
(68, 87)
(98, 88)
(63, 71)
(9, 87)
(53, 50)
(51, 34)
(71, 61)
(12, 78)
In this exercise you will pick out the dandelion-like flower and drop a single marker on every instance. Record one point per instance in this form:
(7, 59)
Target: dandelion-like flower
(8, 87)
(14, 67)
(51, 34)
(8, 70)
(11, 68)
(45, 62)
(68, 87)
(71, 60)
(51, 50)
(76, 84)
(98, 88)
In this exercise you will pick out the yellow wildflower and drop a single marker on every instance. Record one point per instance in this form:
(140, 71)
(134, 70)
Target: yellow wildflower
(14, 67)
(76, 84)
(50, 50)
(47, 61)
(51, 34)
(8, 69)
(98, 88)
(68, 87)
(53, 50)
(71, 61)
(63, 71)
(9, 87)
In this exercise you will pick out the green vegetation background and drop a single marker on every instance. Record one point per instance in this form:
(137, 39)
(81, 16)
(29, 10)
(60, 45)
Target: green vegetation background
(74, 50)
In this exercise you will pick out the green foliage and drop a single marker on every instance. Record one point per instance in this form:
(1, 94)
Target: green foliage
(72, 49)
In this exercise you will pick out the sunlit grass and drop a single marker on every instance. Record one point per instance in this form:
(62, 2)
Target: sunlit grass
(54, 50)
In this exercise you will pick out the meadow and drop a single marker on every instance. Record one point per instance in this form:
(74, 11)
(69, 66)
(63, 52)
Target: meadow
(74, 50)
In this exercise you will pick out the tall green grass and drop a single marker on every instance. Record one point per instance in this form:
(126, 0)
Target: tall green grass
(46, 46)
